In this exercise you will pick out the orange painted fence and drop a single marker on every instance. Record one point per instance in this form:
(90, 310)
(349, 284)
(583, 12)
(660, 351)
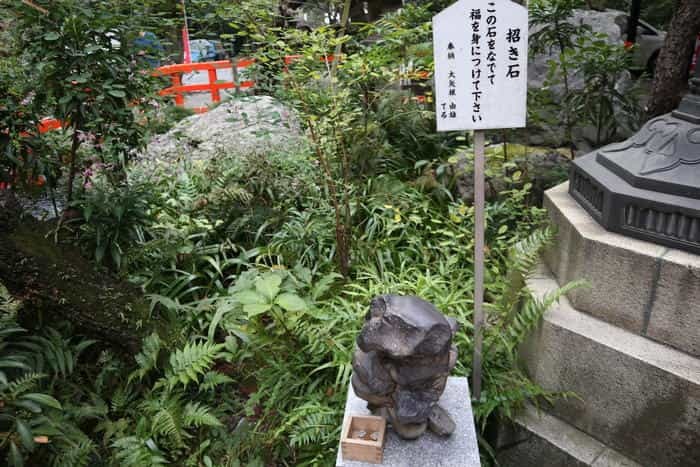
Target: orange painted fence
(214, 86)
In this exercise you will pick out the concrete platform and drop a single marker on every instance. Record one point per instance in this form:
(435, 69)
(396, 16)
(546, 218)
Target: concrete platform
(637, 396)
(644, 288)
(458, 450)
(538, 439)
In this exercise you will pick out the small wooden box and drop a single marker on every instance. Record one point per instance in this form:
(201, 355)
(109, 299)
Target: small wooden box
(360, 449)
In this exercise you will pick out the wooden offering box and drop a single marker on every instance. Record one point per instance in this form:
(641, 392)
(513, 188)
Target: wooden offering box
(357, 439)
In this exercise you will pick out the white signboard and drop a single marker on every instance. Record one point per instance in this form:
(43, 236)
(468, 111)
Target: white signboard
(481, 65)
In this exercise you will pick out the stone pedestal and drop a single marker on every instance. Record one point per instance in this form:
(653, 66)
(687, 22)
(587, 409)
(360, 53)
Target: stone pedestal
(627, 345)
(458, 450)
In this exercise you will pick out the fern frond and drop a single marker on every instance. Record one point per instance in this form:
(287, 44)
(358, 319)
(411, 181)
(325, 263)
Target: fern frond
(196, 415)
(132, 451)
(523, 258)
(532, 311)
(193, 360)
(212, 379)
(313, 428)
(8, 311)
(120, 399)
(75, 455)
(55, 354)
(147, 359)
(166, 422)
(22, 384)
(309, 423)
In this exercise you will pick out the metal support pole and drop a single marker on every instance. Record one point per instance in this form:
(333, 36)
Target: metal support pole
(479, 228)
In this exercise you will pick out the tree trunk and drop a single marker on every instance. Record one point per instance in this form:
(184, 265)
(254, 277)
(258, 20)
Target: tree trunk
(54, 283)
(670, 79)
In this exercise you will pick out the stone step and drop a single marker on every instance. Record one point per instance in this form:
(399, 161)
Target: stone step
(645, 288)
(537, 439)
(635, 395)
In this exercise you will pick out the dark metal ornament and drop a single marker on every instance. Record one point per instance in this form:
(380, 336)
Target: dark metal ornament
(648, 186)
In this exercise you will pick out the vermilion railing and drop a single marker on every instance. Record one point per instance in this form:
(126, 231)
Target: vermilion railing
(214, 86)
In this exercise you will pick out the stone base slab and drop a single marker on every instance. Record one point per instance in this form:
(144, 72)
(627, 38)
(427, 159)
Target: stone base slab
(458, 450)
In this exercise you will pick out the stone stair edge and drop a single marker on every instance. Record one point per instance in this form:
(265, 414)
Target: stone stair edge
(569, 439)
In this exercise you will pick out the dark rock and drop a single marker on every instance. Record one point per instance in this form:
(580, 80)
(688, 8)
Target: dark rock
(401, 327)
(403, 357)
(440, 422)
(411, 430)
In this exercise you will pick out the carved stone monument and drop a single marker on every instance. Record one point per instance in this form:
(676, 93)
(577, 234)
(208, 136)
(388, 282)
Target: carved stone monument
(648, 187)
(403, 357)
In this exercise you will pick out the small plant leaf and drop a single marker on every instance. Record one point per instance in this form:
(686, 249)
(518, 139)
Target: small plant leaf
(269, 285)
(255, 309)
(250, 297)
(291, 302)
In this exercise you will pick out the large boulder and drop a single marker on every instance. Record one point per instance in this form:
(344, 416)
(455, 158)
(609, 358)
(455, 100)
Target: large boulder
(245, 125)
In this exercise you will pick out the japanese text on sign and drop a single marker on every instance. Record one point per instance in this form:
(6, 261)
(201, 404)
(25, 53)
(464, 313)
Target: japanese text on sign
(481, 65)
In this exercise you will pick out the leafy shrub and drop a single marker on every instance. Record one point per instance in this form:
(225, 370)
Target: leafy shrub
(601, 102)
(83, 75)
(112, 219)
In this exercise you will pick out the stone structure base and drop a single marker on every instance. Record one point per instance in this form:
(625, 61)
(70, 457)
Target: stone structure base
(627, 346)
(458, 450)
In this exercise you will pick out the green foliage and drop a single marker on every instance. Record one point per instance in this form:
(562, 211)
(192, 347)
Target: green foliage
(82, 73)
(355, 125)
(33, 423)
(112, 220)
(188, 364)
(601, 102)
(133, 452)
(552, 27)
(239, 255)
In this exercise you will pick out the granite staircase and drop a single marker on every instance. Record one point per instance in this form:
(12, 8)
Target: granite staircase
(628, 345)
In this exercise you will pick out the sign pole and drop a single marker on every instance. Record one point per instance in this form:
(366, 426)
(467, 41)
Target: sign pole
(479, 228)
(480, 84)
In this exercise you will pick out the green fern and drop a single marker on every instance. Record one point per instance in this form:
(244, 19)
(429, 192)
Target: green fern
(20, 385)
(189, 363)
(212, 379)
(55, 354)
(9, 307)
(523, 258)
(132, 451)
(166, 422)
(311, 424)
(532, 311)
(197, 415)
(121, 398)
(79, 454)
(147, 358)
